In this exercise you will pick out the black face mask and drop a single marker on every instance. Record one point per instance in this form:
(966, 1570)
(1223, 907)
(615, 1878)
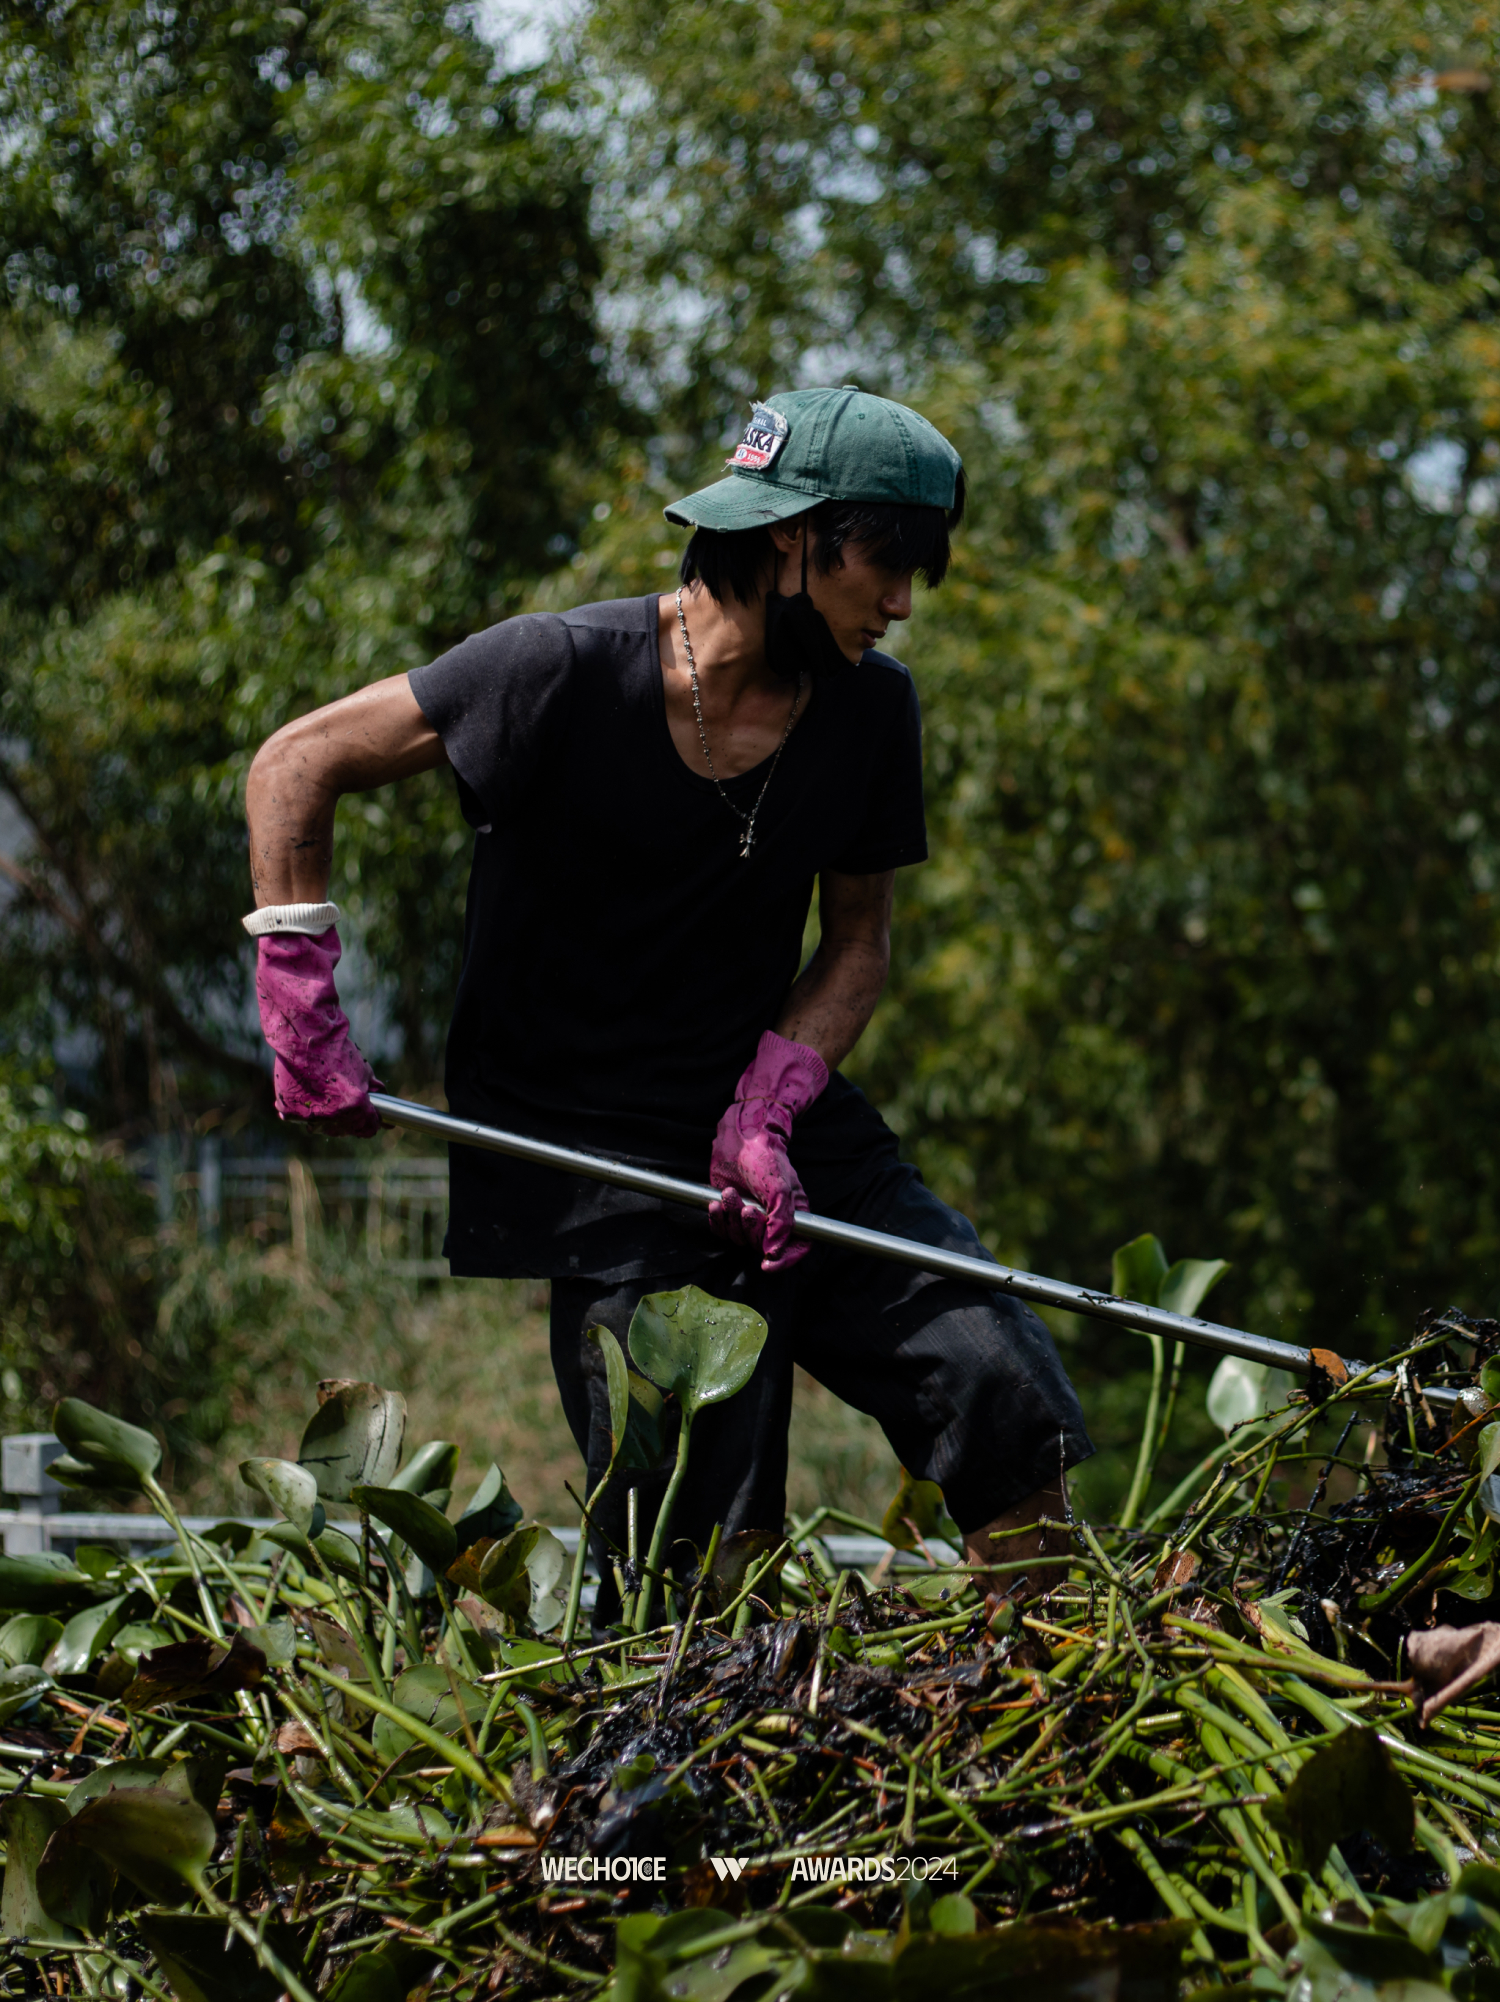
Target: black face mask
(797, 637)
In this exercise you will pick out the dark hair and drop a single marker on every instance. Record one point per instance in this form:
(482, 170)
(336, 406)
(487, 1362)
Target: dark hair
(892, 535)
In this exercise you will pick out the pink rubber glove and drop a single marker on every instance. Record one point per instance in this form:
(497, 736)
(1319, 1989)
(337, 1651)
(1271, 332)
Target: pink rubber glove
(750, 1157)
(319, 1073)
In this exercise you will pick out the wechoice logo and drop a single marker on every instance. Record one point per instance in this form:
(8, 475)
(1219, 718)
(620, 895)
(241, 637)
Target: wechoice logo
(604, 1869)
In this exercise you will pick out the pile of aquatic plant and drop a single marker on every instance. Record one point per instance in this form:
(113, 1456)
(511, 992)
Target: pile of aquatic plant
(372, 1752)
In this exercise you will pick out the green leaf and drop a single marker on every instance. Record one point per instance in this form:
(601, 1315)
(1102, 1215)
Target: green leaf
(954, 1914)
(497, 1571)
(427, 1534)
(102, 1480)
(1240, 1392)
(290, 1488)
(18, 1686)
(431, 1466)
(1138, 1269)
(113, 1775)
(935, 1588)
(28, 1824)
(638, 1434)
(493, 1511)
(700, 1349)
(86, 1635)
(428, 1694)
(277, 1641)
(1189, 1282)
(385, 1974)
(1489, 1450)
(42, 1582)
(106, 1443)
(160, 1839)
(27, 1637)
(548, 1570)
(1489, 1379)
(1348, 1788)
(915, 1510)
(203, 1962)
(354, 1437)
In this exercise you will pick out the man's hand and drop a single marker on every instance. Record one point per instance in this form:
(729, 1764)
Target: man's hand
(824, 1016)
(320, 1076)
(295, 784)
(750, 1157)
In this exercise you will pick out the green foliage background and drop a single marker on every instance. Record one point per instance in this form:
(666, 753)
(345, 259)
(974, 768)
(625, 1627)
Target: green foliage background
(328, 339)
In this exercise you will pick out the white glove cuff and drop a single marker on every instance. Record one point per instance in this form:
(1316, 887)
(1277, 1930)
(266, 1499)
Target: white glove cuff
(310, 918)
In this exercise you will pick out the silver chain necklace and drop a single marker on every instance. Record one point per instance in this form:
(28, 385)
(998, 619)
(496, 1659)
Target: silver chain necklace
(746, 820)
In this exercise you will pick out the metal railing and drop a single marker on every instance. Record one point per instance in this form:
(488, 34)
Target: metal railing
(392, 1212)
(40, 1522)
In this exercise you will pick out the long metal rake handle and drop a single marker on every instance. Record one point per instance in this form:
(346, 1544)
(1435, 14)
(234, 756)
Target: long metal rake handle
(879, 1244)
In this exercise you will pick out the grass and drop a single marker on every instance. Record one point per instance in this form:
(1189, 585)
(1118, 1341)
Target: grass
(471, 1357)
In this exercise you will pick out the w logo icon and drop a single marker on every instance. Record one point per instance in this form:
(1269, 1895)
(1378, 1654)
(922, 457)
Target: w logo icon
(728, 1866)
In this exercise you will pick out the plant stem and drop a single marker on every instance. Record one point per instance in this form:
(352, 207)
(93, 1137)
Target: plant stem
(642, 1607)
(1145, 1459)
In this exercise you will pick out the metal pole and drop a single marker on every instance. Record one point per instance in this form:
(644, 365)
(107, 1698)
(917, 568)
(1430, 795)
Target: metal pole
(877, 1244)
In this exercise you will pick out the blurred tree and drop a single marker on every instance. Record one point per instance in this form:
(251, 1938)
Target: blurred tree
(76, 1294)
(298, 378)
(1208, 944)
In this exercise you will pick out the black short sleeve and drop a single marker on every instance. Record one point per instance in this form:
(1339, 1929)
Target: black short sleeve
(894, 830)
(498, 700)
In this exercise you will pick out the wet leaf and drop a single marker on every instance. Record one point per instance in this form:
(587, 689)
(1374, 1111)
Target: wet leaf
(493, 1511)
(87, 1635)
(114, 1774)
(1138, 1269)
(433, 1465)
(43, 1583)
(353, 1438)
(27, 1637)
(189, 1669)
(936, 1588)
(289, 1487)
(159, 1839)
(421, 1528)
(1347, 1788)
(19, 1686)
(27, 1824)
(106, 1443)
(700, 1349)
(638, 1432)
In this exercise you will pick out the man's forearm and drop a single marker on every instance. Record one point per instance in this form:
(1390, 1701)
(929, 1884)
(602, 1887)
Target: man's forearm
(835, 997)
(292, 795)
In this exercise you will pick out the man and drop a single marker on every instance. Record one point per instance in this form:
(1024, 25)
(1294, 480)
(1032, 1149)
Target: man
(654, 785)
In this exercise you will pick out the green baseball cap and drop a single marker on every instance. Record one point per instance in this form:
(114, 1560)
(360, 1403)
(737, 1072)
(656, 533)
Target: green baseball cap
(809, 445)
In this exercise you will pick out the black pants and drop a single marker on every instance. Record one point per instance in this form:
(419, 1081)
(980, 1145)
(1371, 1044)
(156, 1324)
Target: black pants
(966, 1384)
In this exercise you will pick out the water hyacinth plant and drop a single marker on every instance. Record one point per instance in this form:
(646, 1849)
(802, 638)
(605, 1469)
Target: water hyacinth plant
(1245, 1750)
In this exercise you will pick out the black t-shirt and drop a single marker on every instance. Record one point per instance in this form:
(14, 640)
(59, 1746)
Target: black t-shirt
(621, 960)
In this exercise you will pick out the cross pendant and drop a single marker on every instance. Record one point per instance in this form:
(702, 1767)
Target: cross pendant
(747, 842)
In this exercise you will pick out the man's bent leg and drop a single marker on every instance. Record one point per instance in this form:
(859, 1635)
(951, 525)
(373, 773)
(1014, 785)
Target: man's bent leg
(737, 1467)
(966, 1384)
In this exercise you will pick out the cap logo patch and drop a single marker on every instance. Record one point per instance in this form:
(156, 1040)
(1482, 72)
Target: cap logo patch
(764, 437)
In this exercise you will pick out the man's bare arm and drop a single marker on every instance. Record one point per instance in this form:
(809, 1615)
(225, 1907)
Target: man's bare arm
(365, 740)
(835, 996)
